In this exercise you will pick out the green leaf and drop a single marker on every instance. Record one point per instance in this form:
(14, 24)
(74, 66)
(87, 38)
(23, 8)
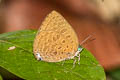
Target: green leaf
(20, 61)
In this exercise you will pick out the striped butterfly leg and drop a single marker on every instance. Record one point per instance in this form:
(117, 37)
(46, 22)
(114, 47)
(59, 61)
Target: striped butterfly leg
(74, 63)
(77, 56)
(75, 60)
(79, 51)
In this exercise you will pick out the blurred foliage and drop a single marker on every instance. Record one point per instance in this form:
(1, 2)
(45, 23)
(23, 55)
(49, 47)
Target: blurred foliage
(0, 77)
(114, 74)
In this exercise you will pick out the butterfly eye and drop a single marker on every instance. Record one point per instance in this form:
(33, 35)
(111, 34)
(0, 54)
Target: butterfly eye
(38, 57)
(80, 49)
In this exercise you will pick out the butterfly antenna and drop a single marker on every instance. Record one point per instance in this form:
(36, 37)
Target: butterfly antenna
(88, 37)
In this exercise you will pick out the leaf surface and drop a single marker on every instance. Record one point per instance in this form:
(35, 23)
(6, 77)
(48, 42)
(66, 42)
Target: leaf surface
(20, 61)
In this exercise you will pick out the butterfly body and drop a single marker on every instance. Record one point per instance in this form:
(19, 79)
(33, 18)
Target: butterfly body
(56, 40)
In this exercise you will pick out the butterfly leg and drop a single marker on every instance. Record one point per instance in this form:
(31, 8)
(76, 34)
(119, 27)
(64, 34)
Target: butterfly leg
(74, 62)
(79, 58)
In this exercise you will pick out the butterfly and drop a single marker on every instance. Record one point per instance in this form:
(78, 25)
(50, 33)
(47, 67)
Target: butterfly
(56, 40)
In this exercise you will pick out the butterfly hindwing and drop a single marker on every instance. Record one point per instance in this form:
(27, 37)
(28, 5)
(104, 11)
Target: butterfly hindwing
(55, 40)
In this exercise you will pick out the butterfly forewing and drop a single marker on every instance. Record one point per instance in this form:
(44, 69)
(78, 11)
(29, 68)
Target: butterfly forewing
(55, 40)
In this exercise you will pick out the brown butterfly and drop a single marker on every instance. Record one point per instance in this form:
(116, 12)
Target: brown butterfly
(56, 40)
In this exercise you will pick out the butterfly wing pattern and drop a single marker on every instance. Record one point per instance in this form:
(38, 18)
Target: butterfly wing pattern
(56, 40)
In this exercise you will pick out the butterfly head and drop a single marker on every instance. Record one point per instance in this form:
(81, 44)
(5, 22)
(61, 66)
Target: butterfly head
(38, 56)
(80, 48)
